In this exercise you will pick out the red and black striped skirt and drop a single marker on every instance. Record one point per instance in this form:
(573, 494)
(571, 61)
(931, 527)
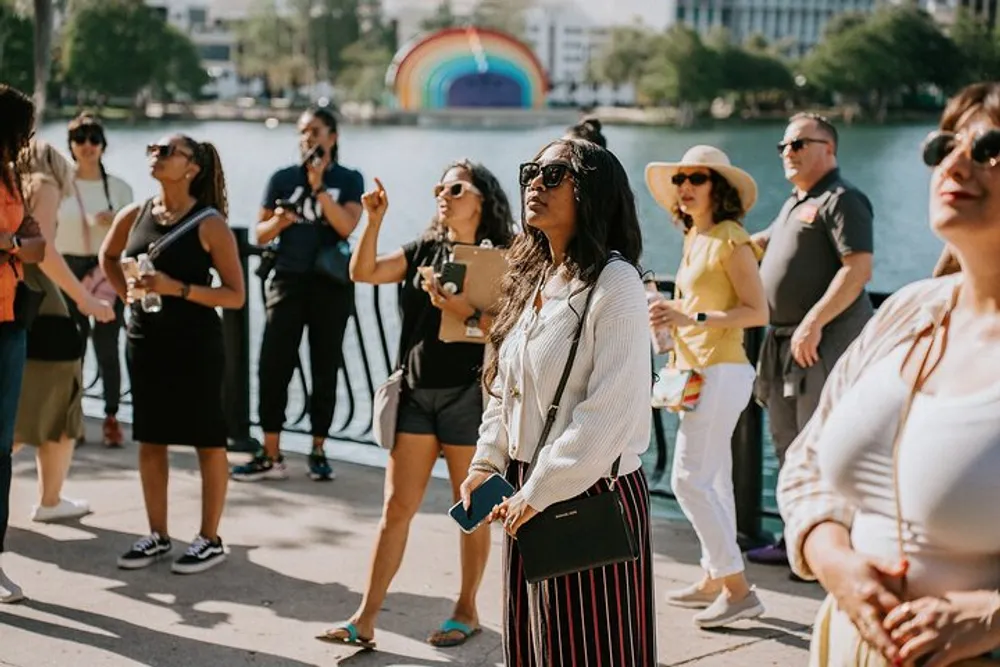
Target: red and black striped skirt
(600, 618)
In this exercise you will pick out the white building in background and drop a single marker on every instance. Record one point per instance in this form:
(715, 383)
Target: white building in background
(565, 40)
(208, 24)
(797, 26)
(945, 11)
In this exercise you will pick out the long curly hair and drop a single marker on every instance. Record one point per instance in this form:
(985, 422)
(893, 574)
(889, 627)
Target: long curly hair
(18, 113)
(209, 185)
(606, 222)
(496, 221)
(726, 204)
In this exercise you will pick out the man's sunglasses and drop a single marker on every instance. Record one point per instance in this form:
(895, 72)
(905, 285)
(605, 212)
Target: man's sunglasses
(85, 135)
(552, 173)
(164, 151)
(984, 148)
(798, 144)
(697, 178)
(456, 189)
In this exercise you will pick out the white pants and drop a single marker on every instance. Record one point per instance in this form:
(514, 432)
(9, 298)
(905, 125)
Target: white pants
(702, 476)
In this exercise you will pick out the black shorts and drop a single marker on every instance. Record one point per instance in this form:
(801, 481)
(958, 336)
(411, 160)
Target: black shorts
(451, 415)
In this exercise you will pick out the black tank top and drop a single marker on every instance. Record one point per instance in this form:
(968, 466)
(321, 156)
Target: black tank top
(185, 260)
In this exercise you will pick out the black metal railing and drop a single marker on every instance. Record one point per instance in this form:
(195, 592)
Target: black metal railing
(353, 419)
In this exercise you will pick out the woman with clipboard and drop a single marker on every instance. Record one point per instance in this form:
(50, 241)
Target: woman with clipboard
(441, 401)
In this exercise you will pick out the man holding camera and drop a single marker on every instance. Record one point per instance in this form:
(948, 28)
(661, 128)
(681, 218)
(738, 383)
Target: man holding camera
(310, 209)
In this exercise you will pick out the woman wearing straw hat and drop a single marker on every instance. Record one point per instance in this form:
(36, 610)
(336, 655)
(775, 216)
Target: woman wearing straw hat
(719, 294)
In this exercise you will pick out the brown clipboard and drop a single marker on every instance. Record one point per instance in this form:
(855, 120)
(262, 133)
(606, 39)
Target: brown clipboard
(484, 272)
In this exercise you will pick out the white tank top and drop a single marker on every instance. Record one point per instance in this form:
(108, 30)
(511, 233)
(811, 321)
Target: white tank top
(949, 469)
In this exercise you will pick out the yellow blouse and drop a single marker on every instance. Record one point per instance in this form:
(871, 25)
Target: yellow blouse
(702, 286)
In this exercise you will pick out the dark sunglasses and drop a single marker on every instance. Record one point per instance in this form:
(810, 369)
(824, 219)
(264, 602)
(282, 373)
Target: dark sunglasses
(164, 151)
(552, 173)
(798, 144)
(84, 135)
(697, 178)
(984, 148)
(456, 189)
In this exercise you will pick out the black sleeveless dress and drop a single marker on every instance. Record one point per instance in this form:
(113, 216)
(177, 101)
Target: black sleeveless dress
(176, 356)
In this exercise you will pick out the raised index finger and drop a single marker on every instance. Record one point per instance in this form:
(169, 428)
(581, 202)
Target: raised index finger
(381, 187)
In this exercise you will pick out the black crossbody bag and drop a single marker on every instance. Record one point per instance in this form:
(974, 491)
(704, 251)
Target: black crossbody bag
(582, 533)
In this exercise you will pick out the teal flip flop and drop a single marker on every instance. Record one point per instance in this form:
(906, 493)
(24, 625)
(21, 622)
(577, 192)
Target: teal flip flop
(352, 638)
(441, 640)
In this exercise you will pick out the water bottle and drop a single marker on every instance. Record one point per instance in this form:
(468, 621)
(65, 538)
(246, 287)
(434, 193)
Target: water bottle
(151, 301)
(663, 342)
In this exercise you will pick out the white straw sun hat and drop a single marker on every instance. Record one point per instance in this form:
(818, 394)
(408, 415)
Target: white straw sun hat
(658, 175)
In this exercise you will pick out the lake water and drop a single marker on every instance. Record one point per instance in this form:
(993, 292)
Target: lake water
(882, 161)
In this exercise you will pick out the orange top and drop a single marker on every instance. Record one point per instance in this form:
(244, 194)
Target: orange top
(11, 216)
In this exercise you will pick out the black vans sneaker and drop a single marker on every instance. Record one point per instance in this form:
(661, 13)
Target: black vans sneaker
(200, 556)
(145, 552)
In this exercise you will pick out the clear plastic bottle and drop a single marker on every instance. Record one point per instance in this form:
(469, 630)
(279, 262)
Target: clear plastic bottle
(151, 301)
(663, 342)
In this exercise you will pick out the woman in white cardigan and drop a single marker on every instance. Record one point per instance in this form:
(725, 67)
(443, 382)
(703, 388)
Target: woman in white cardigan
(581, 235)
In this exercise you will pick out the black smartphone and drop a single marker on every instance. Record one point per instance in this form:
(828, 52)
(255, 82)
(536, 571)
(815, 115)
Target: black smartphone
(286, 204)
(452, 277)
(489, 493)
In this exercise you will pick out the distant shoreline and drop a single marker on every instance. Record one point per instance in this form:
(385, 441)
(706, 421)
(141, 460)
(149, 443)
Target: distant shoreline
(354, 114)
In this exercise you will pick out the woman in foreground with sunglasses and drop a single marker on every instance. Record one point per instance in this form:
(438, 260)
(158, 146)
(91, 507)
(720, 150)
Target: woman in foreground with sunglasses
(719, 294)
(579, 252)
(895, 513)
(441, 403)
(84, 220)
(175, 348)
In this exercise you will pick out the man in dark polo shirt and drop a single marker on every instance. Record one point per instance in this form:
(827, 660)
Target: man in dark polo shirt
(817, 261)
(307, 207)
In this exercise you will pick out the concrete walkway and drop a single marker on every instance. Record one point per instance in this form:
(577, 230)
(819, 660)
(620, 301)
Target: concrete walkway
(298, 560)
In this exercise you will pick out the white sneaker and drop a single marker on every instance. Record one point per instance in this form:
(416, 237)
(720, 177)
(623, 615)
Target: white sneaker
(66, 509)
(725, 611)
(692, 597)
(9, 591)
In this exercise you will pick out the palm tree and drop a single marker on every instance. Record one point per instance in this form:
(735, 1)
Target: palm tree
(43, 54)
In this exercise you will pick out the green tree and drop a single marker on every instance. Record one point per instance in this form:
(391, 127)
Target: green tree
(332, 26)
(443, 17)
(979, 47)
(363, 76)
(899, 49)
(272, 47)
(145, 52)
(625, 57)
(42, 54)
(696, 76)
(181, 73)
(752, 73)
(16, 47)
(505, 15)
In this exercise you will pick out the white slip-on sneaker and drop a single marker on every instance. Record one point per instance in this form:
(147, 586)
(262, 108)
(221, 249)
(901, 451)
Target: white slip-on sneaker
(724, 611)
(9, 591)
(66, 510)
(692, 597)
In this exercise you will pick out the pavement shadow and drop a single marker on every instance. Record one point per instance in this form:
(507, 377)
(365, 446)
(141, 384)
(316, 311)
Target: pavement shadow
(239, 581)
(354, 482)
(770, 633)
(468, 655)
(137, 642)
